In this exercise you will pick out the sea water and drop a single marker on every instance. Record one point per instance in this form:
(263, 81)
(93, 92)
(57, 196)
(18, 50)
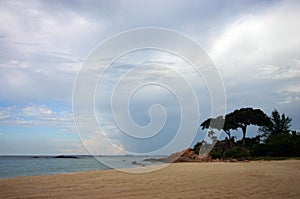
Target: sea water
(13, 166)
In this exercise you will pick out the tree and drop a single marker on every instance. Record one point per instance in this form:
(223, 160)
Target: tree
(213, 123)
(279, 138)
(244, 117)
(220, 123)
(278, 125)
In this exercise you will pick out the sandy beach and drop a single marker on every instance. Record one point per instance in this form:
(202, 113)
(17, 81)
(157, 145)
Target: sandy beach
(257, 179)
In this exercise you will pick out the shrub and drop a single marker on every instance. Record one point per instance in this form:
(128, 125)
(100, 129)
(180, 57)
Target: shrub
(259, 150)
(236, 152)
(249, 141)
(280, 145)
(215, 155)
(296, 146)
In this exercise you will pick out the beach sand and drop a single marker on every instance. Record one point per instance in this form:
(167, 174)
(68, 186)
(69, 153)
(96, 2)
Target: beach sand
(257, 179)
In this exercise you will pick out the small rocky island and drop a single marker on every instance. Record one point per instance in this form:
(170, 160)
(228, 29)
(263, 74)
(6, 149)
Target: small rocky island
(66, 156)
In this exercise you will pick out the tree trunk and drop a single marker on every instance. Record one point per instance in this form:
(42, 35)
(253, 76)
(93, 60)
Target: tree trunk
(244, 129)
(229, 138)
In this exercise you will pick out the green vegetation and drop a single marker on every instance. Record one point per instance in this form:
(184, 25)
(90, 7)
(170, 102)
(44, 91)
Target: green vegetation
(274, 140)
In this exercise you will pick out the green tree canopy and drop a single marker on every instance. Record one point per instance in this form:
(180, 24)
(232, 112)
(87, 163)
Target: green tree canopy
(278, 125)
(237, 119)
(220, 123)
(244, 117)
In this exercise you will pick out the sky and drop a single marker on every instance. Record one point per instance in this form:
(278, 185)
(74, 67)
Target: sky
(254, 45)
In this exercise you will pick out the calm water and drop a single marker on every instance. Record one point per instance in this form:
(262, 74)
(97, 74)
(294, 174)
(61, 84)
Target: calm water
(12, 166)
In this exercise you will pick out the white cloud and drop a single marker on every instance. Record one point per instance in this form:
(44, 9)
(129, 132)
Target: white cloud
(258, 56)
(44, 29)
(42, 47)
(254, 41)
(290, 95)
(26, 85)
(99, 145)
(35, 115)
(293, 88)
(286, 100)
(277, 72)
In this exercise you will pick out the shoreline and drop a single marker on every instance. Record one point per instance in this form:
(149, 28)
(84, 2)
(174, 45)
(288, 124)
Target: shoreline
(141, 168)
(186, 180)
(30, 166)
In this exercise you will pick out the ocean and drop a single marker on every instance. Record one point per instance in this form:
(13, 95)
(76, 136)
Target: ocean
(13, 166)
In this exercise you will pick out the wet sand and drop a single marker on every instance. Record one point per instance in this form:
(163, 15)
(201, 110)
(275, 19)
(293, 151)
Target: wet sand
(257, 179)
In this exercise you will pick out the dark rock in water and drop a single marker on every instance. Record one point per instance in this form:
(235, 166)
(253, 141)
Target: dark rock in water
(155, 160)
(134, 162)
(137, 163)
(35, 157)
(66, 156)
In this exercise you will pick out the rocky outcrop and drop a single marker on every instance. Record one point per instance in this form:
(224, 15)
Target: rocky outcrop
(187, 155)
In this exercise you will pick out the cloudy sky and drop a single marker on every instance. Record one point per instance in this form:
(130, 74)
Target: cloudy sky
(255, 46)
